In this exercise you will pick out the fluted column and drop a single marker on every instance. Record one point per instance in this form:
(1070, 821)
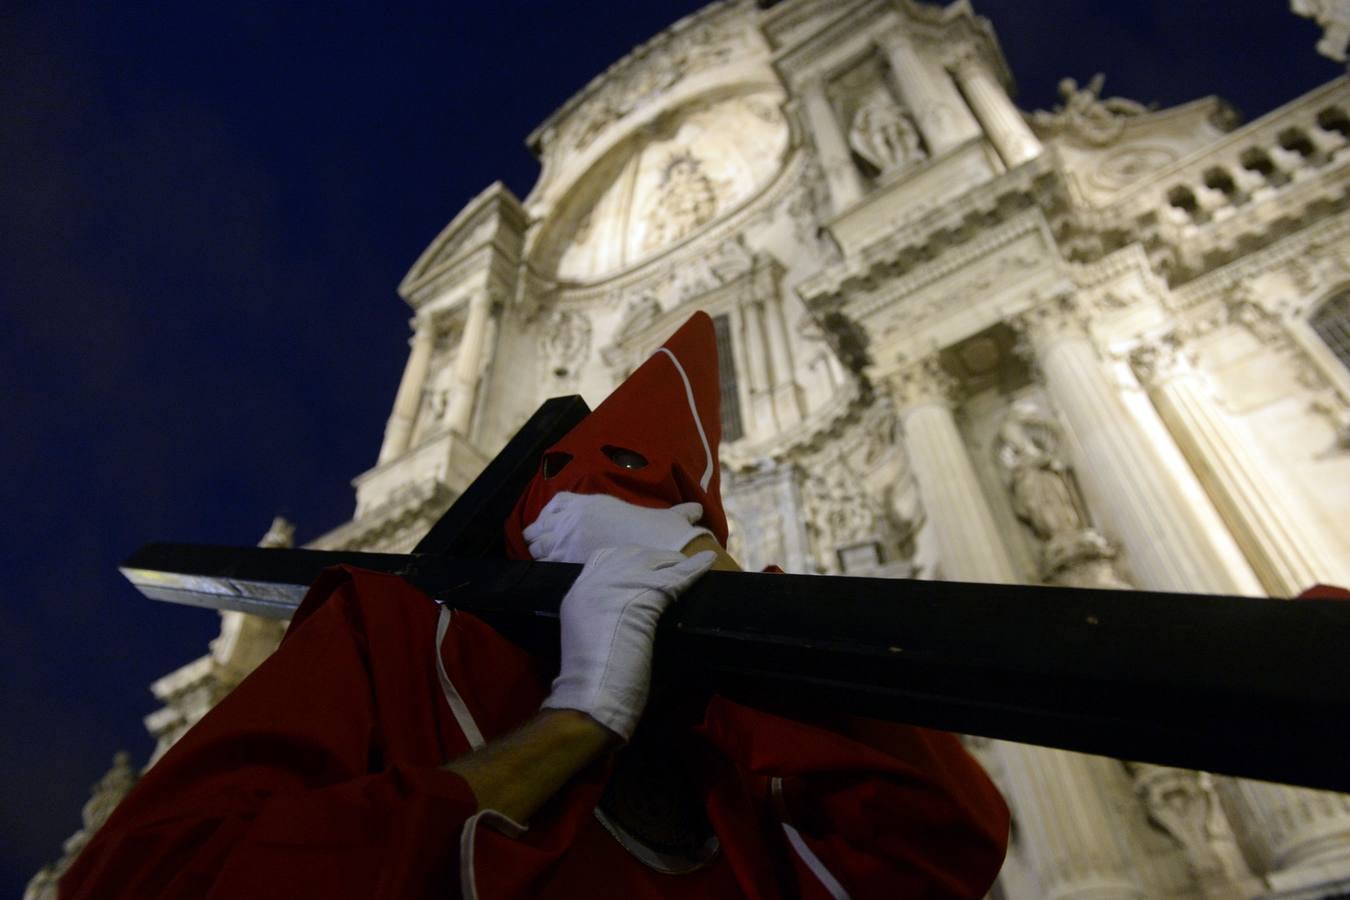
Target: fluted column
(469, 362)
(1142, 505)
(841, 175)
(1005, 126)
(1286, 556)
(968, 537)
(1067, 824)
(761, 408)
(786, 402)
(1303, 835)
(1054, 794)
(932, 98)
(398, 431)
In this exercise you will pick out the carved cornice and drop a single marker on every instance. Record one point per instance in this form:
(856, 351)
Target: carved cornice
(953, 224)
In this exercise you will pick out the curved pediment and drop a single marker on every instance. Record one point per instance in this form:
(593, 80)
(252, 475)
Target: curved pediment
(667, 184)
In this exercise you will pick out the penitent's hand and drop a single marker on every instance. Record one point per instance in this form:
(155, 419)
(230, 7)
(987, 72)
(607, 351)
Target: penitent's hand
(608, 624)
(572, 527)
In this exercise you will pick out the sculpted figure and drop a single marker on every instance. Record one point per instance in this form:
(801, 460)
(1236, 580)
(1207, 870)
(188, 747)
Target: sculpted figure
(1028, 449)
(883, 135)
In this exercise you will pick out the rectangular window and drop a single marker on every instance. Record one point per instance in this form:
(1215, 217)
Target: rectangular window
(726, 379)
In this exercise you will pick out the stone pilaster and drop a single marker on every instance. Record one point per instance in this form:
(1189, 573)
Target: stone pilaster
(932, 98)
(968, 537)
(841, 175)
(398, 431)
(1286, 556)
(1142, 505)
(1005, 126)
(469, 362)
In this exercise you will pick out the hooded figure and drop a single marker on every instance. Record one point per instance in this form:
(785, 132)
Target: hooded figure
(328, 772)
(652, 442)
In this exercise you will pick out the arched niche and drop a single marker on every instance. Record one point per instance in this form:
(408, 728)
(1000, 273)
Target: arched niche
(666, 183)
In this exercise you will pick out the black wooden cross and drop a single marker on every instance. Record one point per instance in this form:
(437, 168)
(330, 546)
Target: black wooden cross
(1244, 686)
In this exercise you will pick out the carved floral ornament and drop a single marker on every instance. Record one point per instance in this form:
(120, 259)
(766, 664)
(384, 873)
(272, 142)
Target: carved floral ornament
(1162, 359)
(1060, 316)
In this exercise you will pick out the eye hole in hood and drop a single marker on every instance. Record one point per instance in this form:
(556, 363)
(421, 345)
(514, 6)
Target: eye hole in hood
(554, 463)
(624, 458)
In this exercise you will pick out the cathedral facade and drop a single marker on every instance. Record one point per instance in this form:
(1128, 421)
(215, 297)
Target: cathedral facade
(1100, 345)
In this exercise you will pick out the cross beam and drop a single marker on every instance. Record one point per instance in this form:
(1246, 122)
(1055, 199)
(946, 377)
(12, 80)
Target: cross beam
(1243, 686)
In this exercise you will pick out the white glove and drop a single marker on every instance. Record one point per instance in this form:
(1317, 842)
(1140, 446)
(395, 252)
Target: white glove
(573, 526)
(608, 625)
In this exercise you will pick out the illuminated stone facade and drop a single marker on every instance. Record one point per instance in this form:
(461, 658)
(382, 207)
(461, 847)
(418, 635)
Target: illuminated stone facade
(1098, 345)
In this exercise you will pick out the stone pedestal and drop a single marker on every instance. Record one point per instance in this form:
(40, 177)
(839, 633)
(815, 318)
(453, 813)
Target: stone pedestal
(1286, 556)
(1138, 500)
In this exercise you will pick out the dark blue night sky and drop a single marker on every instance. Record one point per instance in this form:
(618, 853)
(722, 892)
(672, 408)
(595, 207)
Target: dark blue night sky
(206, 211)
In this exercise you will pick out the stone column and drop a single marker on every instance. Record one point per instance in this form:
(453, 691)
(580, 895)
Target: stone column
(786, 402)
(1066, 823)
(1286, 556)
(1142, 506)
(398, 431)
(968, 537)
(1001, 120)
(469, 361)
(937, 107)
(1070, 831)
(836, 160)
(761, 409)
(1301, 835)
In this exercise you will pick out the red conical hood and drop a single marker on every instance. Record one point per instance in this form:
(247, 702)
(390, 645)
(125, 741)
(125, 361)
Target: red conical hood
(668, 414)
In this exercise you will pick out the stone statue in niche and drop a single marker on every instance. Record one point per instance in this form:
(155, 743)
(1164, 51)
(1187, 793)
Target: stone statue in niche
(883, 135)
(1044, 497)
(686, 199)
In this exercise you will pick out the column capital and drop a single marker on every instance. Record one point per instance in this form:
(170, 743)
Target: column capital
(1058, 317)
(1160, 360)
(923, 382)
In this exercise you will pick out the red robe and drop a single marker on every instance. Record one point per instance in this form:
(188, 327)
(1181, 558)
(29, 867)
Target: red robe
(319, 776)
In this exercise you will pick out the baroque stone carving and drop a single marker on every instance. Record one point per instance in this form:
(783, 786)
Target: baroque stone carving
(883, 135)
(564, 341)
(923, 381)
(1185, 805)
(1029, 450)
(704, 272)
(685, 200)
(1085, 115)
(1334, 17)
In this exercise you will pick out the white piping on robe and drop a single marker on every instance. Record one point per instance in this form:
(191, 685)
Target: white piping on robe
(698, 422)
(823, 875)
(508, 826)
(458, 707)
